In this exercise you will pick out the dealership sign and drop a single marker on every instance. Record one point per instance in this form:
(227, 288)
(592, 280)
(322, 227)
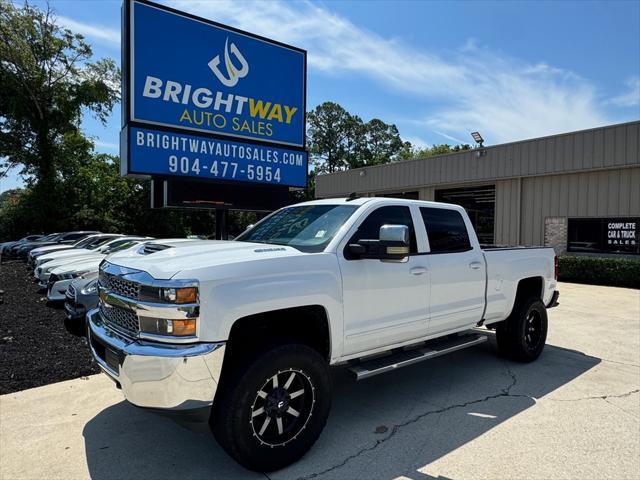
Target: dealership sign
(164, 153)
(198, 93)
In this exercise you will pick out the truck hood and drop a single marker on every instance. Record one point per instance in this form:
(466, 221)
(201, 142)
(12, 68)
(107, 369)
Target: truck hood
(177, 257)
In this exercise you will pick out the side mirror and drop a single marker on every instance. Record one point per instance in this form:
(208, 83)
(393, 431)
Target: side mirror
(392, 244)
(394, 241)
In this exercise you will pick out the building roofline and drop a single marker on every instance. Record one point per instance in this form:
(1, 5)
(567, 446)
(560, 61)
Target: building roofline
(490, 147)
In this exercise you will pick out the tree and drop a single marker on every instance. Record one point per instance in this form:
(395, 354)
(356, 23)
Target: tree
(329, 127)
(383, 143)
(48, 81)
(434, 150)
(340, 140)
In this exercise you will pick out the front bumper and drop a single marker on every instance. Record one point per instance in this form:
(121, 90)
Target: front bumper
(159, 376)
(57, 291)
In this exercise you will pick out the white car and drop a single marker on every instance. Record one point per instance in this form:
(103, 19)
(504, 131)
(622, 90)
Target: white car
(60, 277)
(86, 243)
(253, 325)
(92, 247)
(55, 259)
(43, 271)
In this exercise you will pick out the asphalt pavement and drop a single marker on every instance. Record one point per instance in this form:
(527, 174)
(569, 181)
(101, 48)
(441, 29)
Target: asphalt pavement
(574, 413)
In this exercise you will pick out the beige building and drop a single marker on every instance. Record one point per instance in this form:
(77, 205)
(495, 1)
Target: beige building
(578, 191)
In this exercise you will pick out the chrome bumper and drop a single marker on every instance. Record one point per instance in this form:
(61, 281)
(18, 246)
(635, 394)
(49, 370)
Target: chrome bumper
(152, 375)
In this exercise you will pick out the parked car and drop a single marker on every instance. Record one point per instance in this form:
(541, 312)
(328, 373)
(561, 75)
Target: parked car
(5, 246)
(60, 277)
(67, 257)
(63, 238)
(254, 324)
(12, 250)
(42, 255)
(81, 243)
(80, 297)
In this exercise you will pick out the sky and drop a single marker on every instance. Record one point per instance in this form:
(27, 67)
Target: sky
(438, 70)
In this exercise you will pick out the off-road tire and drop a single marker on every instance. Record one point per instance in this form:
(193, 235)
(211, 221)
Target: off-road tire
(237, 427)
(522, 336)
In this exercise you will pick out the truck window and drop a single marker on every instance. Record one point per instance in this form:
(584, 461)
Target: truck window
(369, 229)
(308, 228)
(446, 230)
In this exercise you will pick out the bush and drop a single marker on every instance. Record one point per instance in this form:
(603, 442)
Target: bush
(614, 272)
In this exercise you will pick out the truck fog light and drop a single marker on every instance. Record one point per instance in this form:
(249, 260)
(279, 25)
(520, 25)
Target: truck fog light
(180, 295)
(163, 326)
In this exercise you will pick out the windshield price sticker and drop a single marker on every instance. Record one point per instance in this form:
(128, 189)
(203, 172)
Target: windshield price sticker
(175, 154)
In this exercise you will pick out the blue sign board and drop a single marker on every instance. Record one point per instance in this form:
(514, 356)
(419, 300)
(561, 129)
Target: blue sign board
(192, 74)
(168, 153)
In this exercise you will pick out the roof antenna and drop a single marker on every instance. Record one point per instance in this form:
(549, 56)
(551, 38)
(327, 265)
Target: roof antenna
(352, 196)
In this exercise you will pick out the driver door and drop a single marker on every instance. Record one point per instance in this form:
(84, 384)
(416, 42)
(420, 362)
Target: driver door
(385, 301)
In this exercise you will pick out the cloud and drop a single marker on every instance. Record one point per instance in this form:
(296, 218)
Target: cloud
(417, 142)
(471, 88)
(106, 145)
(467, 89)
(631, 98)
(99, 33)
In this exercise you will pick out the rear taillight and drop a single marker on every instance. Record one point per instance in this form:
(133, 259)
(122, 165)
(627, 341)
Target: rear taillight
(556, 269)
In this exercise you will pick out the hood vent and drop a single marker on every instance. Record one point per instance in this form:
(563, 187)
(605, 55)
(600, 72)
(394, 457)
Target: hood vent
(150, 248)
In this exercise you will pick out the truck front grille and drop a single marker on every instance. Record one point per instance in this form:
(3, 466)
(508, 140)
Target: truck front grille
(120, 318)
(120, 286)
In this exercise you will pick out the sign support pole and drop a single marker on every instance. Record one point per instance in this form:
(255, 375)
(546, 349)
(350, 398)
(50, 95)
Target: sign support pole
(222, 220)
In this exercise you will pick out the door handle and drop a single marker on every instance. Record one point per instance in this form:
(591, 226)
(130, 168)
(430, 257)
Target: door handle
(418, 270)
(475, 265)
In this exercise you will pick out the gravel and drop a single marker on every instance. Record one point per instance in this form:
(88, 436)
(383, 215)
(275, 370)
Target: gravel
(35, 348)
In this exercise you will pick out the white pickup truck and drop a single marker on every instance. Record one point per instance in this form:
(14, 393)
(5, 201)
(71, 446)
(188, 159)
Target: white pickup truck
(245, 331)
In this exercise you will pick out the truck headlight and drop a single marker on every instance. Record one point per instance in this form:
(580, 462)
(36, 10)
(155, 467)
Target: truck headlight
(163, 326)
(180, 295)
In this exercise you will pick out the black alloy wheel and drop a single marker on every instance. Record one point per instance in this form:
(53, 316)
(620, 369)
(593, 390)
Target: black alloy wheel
(270, 409)
(282, 407)
(522, 336)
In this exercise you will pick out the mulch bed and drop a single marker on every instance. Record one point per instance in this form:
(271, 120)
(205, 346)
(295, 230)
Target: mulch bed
(35, 348)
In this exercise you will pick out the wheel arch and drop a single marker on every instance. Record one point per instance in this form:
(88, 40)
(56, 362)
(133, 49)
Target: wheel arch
(306, 324)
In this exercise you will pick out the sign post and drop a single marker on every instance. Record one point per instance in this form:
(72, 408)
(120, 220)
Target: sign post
(205, 101)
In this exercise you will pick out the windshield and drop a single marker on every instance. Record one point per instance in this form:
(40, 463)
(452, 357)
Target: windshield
(99, 242)
(309, 228)
(116, 247)
(109, 246)
(50, 237)
(84, 242)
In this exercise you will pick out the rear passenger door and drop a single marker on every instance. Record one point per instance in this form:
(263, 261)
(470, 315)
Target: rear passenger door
(457, 271)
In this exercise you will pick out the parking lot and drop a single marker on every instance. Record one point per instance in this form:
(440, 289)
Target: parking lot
(574, 413)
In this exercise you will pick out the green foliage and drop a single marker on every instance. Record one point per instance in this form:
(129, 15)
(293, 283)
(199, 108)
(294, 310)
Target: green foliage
(48, 81)
(433, 151)
(339, 140)
(615, 272)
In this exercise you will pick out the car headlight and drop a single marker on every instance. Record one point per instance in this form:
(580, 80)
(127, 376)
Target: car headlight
(179, 295)
(90, 288)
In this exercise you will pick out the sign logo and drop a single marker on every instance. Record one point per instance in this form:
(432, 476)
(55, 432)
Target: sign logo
(233, 74)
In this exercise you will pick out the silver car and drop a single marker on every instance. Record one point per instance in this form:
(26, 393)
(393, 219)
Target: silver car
(80, 297)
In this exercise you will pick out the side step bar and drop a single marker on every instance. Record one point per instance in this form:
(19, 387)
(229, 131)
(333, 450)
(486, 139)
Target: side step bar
(403, 358)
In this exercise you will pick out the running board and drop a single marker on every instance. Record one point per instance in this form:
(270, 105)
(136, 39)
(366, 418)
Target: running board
(403, 358)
